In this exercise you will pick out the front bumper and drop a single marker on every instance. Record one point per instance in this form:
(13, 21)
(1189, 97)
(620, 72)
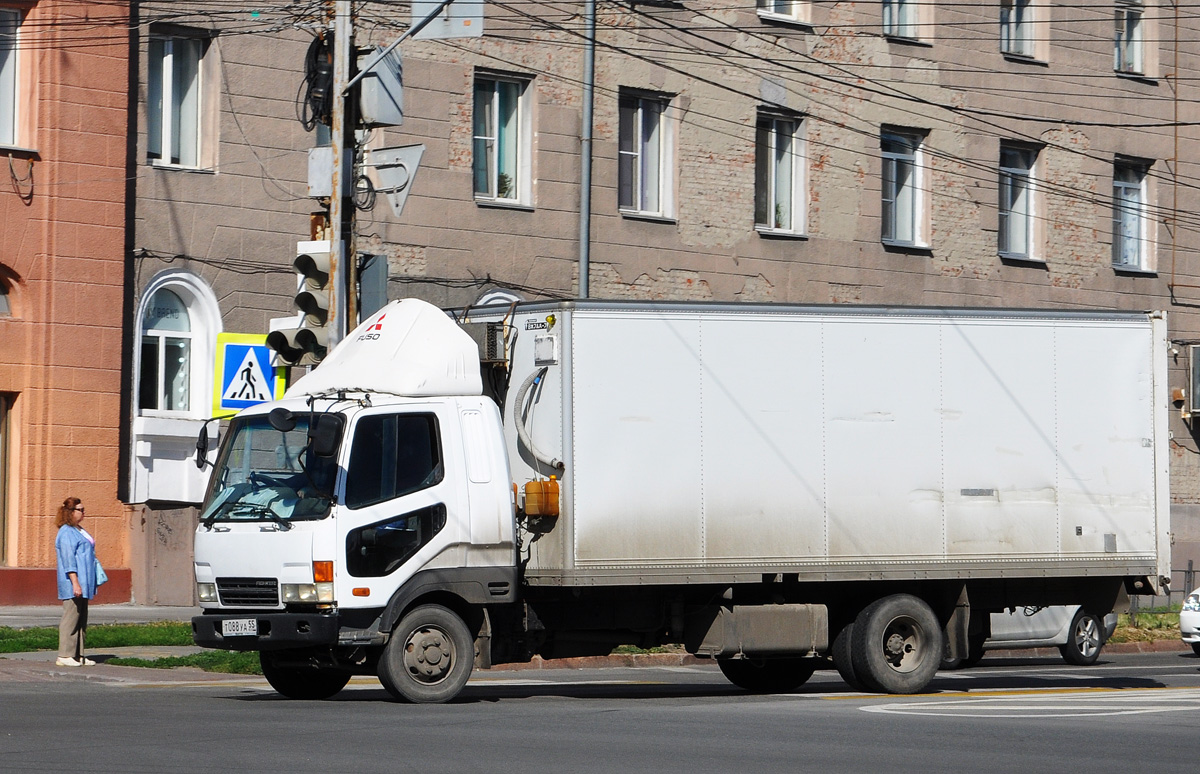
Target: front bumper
(276, 631)
(1189, 626)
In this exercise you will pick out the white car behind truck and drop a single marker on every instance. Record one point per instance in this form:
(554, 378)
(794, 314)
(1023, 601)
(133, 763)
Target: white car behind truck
(766, 485)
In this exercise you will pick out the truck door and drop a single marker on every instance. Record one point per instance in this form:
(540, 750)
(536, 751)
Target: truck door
(400, 508)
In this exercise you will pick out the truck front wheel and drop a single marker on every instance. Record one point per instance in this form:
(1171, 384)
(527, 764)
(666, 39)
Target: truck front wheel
(897, 645)
(767, 675)
(290, 677)
(429, 656)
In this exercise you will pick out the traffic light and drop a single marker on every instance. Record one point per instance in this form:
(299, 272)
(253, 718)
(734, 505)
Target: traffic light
(307, 344)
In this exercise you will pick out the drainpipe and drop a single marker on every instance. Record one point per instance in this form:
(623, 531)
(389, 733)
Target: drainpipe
(585, 146)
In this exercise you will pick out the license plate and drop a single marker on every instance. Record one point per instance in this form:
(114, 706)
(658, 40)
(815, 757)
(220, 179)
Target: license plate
(239, 627)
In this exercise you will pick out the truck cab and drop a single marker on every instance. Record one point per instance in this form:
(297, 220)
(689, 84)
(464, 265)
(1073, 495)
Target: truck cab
(330, 515)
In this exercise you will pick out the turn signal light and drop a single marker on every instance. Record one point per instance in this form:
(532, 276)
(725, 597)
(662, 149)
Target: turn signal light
(361, 592)
(323, 572)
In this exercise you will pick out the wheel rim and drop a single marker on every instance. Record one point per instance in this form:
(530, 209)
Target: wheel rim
(429, 654)
(903, 644)
(1087, 637)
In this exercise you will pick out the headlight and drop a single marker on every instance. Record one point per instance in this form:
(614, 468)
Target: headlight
(207, 592)
(308, 592)
(1192, 603)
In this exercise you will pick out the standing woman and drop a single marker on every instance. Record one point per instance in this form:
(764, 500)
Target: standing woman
(76, 551)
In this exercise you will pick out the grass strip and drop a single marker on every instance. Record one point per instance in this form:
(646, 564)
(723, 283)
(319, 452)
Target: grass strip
(225, 661)
(101, 636)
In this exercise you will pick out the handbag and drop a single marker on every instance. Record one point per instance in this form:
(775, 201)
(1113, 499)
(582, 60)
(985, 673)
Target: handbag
(101, 576)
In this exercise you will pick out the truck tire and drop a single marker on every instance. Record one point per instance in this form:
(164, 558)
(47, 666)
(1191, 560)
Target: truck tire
(1085, 638)
(897, 645)
(429, 656)
(300, 682)
(843, 661)
(767, 675)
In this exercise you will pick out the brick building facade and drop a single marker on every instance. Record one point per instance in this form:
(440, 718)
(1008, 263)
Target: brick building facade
(64, 92)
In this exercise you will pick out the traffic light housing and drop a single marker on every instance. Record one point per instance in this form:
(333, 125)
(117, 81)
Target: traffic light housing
(308, 343)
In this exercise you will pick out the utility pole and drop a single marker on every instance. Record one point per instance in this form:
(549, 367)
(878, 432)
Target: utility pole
(341, 217)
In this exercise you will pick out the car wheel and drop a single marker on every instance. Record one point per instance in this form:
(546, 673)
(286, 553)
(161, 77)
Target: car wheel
(1196, 648)
(973, 657)
(289, 676)
(429, 657)
(897, 645)
(1085, 638)
(767, 675)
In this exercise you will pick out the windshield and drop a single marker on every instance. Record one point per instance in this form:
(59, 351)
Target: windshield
(264, 474)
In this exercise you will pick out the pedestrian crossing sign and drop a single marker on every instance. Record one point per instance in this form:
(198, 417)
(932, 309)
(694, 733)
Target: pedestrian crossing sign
(244, 376)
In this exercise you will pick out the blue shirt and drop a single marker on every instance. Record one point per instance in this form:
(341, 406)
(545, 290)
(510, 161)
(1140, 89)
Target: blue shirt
(75, 554)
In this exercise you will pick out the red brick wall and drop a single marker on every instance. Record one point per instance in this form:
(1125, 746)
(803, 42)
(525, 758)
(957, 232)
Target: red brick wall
(60, 352)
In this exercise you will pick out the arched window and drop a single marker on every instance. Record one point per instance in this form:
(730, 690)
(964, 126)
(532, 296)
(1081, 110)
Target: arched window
(5, 306)
(165, 380)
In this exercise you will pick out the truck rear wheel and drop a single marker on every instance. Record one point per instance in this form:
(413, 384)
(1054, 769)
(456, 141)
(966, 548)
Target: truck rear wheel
(897, 645)
(843, 660)
(767, 675)
(292, 679)
(429, 656)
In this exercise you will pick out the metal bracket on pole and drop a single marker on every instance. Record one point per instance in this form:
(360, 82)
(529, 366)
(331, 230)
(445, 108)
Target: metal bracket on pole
(413, 30)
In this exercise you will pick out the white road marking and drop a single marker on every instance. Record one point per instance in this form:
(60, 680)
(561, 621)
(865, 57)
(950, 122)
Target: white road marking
(1044, 704)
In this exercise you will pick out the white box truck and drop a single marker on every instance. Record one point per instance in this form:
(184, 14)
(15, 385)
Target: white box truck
(771, 486)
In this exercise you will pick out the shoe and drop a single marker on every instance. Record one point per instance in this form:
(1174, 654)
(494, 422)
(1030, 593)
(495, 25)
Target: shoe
(88, 662)
(67, 662)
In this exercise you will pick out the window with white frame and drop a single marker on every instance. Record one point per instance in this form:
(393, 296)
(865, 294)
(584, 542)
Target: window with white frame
(785, 10)
(5, 304)
(10, 22)
(501, 156)
(902, 188)
(164, 384)
(779, 174)
(900, 18)
(642, 168)
(1016, 27)
(1129, 49)
(1130, 240)
(1016, 202)
(173, 106)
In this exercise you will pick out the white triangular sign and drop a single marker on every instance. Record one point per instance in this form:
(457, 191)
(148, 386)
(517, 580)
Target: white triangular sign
(250, 383)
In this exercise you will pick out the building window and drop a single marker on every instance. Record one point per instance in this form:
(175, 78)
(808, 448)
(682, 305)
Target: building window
(1129, 234)
(785, 10)
(778, 174)
(174, 100)
(903, 205)
(5, 304)
(502, 152)
(165, 381)
(10, 22)
(1128, 51)
(1016, 27)
(900, 18)
(1016, 234)
(642, 171)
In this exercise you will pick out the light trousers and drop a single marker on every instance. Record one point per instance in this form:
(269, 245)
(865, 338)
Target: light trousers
(72, 627)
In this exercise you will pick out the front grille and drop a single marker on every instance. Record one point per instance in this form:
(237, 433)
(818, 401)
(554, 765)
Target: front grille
(248, 592)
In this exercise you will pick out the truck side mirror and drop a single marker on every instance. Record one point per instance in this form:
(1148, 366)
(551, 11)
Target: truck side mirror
(325, 434)
(202, 448)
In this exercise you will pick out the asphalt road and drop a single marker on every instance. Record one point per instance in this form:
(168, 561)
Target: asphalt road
(1009, 715)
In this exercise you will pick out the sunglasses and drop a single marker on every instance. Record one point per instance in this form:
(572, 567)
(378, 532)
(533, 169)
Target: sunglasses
(79, 508)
